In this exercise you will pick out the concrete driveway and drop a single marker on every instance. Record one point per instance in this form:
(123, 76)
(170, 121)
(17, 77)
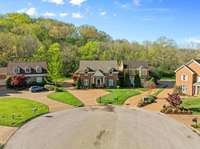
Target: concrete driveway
(104, 128)
(5, 133)
(88, 96)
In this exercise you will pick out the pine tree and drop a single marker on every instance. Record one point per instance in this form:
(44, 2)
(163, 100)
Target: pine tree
(137, 81)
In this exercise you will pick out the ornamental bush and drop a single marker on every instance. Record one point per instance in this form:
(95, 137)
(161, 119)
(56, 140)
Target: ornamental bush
(174, 100)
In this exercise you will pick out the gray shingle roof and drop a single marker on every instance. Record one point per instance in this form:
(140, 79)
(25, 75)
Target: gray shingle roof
(136, 64)
(32, 65)
(104, 66)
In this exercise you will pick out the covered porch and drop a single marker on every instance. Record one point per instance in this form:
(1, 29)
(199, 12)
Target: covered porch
(196, 88)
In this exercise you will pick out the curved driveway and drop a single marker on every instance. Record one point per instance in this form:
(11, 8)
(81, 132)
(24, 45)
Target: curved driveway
(104, 128)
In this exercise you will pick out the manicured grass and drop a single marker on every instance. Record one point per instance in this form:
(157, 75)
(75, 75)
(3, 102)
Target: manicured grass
(118, 96)
(16, 111)
(193, 104)
(65, 97)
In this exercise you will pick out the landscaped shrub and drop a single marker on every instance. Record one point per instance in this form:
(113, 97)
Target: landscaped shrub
(174, 106)
(127, 81)
(174, 100)
(177, 90)
(137, 81)
(147, 100)
(8, 82)
(154, 76)
(60, 89)
(17, 82)
(49, 87)
(78, 83)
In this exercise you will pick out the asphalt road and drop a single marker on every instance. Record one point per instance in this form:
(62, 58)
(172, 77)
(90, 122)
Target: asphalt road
(104, 128)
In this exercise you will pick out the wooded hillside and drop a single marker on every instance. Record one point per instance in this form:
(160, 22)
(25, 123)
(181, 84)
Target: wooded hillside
(23, 39)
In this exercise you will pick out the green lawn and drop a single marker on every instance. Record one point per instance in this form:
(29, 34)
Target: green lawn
(118, 96)
(65, 97)
(16, 111)
(193, 104)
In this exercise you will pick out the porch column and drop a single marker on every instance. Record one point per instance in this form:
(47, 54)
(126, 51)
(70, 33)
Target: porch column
(196, 90)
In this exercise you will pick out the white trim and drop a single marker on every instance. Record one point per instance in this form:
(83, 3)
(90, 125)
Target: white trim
(2, 82)
(193, 60)
(185, 67)
(36, 75)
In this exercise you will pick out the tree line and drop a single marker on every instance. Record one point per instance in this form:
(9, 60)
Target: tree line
(23, 38)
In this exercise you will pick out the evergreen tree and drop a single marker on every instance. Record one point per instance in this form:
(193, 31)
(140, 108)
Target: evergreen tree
(137, 81)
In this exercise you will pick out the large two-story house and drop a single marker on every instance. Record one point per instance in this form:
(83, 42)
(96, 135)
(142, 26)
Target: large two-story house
(135, 66)
(35, 72)
(188, 78)
(97, 74)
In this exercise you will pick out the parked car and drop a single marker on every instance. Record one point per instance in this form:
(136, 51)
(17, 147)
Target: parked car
(35, 89)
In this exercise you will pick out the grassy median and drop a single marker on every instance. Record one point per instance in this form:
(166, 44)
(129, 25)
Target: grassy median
(118, 96)
(66, 97)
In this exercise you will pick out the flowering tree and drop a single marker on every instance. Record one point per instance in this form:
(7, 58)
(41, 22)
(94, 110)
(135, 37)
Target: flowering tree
(18, 81)
(174, 100)
(75, 78)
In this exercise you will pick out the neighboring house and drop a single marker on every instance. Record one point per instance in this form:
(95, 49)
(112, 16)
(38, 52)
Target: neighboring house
(3, 73)
(135, 66)
(98, 74)
(34, 71)
(188, 78)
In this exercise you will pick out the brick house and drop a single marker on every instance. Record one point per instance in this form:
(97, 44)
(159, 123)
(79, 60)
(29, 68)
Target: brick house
(35, 72)
(135, 66)
(188, 78)
(97, 74)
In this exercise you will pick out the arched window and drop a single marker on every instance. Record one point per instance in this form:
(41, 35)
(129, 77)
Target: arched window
(39, 69)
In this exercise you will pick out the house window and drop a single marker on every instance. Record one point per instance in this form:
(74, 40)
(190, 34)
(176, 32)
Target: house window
(39, 69)
(39, 79)
(198, 79)
(86, 82)
(183, 88)
(184, 77)
(27, 70)
(17, 70)
(110, 82)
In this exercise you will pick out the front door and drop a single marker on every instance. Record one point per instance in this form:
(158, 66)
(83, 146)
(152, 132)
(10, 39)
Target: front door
(98, 82)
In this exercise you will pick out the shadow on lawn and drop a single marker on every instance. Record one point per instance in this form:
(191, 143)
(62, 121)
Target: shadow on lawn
(8, 92)
(195, 110)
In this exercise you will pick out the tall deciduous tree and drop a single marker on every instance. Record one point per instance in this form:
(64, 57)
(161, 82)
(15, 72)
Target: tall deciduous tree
(54, 62)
